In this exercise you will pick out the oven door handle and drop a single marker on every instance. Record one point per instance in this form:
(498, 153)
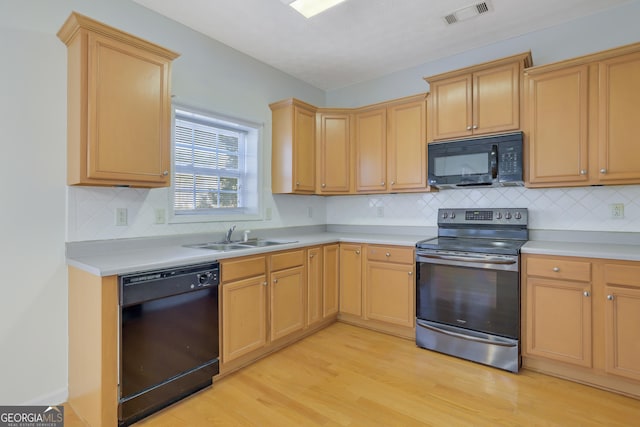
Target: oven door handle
(466, 337)
(477, 260)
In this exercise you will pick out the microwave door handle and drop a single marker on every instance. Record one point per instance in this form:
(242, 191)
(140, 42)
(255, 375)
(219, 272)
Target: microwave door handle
(494, 161)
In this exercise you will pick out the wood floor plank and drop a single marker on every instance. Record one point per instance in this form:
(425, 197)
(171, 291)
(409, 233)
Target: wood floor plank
(349, 376)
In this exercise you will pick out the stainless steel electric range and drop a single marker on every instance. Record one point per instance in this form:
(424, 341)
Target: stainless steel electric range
(468, 285)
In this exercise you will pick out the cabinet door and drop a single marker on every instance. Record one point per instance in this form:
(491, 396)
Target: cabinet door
(330, 279)
(351, 279)
(556, 105)
(407, 146)
(128, 114)
(559, 320)
(244, 320)
(496, 99)
(334, 146)
(314, 285)
(304, 163)
(389, 293)
(622, 317)
(619, 101)
(287, 302)
(371, 150)
(451, 101)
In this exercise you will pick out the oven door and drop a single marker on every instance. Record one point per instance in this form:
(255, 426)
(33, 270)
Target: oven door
(474, 292)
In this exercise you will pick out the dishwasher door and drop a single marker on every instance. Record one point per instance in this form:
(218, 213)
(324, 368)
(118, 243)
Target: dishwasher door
(168, 337)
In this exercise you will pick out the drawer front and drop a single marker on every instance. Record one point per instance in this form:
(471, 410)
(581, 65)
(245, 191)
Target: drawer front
(241, 268)
(287, 260)
(397, 254)
(559, 268)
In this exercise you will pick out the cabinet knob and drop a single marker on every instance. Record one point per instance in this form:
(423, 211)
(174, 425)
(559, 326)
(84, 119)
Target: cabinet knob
(603, 170)
(388, 254)
(324, 185)
(382, 183)
(358, 252)
(264, 283)
(475, 126)
(411, 273)
(556, 269)
(583, 171)
(610, 297)
(586, 293)
(393, 183)
(275, 280)
(312, 255)
(468, 127)
(297, 183)
(165, 173)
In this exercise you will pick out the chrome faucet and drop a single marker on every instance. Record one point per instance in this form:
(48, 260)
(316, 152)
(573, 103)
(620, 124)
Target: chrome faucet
(227, 238)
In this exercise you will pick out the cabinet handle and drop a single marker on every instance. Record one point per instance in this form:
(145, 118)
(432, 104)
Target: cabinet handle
(275, 280)
(165, 173)
(382, 183)
(324, 185)
(475, 126)
(583, 171)
(393, 183)
(468, 127)
(297, 183)
(388, 254)
(312, 255)
(264, 283)
(357, 252)
(610, 297)
(411, 273)
(586, 293)
(556, 269)
(603, 170)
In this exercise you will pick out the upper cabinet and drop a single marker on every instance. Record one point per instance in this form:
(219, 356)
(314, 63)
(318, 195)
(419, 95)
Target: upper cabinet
(118, 106)
(380, 148)
(580, 120)
(477, 100)
(334, 152)
(293, 157)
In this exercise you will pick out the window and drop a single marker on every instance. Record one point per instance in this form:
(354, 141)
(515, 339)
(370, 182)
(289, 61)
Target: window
(215, 163)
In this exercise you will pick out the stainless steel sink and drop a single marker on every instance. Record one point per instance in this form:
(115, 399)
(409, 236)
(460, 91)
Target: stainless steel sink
(232, 246)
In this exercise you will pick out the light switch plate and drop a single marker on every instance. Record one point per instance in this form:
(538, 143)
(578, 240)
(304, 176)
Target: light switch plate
(121, 216)
(617, 210)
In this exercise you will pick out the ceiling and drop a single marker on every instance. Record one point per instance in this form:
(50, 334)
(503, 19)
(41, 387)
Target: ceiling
(360, 40)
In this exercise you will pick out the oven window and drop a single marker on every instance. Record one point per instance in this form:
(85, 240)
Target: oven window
(472, 298)
(462, 165)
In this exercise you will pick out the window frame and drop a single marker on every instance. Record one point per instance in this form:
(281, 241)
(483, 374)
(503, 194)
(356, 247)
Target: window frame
(253, 157)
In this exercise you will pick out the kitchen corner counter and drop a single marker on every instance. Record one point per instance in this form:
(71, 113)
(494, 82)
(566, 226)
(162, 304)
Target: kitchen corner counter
(129, 256)
(623, 252)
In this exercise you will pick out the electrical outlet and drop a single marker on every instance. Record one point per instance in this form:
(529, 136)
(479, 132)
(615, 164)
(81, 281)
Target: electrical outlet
(617, 210)
(309, 211)
(121, 216)
(160, 216)
(267, 214)
(380, 211)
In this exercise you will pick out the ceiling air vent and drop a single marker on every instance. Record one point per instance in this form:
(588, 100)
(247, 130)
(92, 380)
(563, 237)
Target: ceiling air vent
(468, 12)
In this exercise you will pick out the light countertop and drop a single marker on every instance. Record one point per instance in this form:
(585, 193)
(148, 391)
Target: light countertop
(624, 252)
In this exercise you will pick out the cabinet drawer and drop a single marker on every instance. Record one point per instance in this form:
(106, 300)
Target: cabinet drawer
(395, 254)
(559, 268)
(287, 260)
(241, 268)
(622, 274)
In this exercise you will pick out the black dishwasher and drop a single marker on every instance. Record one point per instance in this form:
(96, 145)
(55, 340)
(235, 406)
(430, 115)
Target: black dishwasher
(168, 337)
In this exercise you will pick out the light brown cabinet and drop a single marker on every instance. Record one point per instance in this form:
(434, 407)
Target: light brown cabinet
(351, 279)
(287, 294)
(330, 280)
(335, 157)
(390, 285)
(622, 317)
(481, 99)
(293, 160)
(580, 318)
(118, 106)
(580, 120)
(322, 282)
(371, 150)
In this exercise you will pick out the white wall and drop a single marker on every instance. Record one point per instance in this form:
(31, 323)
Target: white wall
(208, 75)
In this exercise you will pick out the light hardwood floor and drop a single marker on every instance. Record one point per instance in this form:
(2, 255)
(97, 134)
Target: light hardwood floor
(349, 376)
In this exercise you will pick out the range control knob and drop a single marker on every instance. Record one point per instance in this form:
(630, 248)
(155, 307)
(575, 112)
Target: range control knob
(453, 215)
(518, 215)
(498, 215)
(204, 278)
(507, 215)
(445, 215)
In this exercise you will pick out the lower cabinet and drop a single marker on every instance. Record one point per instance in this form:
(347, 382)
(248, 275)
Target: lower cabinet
(580, 320)
(270, 301)
(377, 290)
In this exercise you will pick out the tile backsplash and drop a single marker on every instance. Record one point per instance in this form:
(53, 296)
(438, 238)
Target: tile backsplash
(91, 210)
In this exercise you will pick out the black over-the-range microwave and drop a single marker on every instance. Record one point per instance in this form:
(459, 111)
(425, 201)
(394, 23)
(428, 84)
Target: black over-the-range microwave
(491, 161)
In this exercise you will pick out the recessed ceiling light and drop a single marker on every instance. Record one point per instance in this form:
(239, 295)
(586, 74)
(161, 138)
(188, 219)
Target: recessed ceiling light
(309, 8)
